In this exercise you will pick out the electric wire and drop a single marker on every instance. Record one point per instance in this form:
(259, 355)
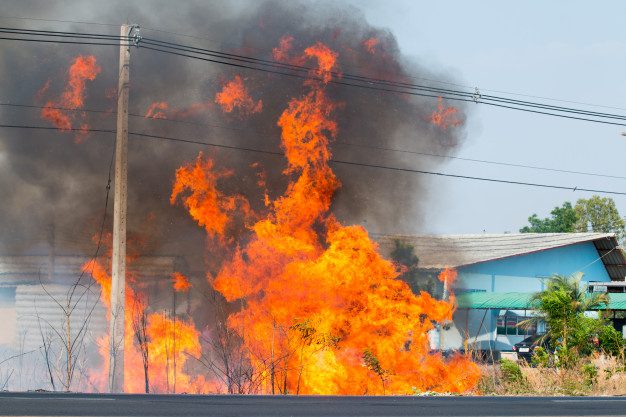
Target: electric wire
(397, 87)
(423, 78)
(65, 42)
(56, 33)
(370, 80)
(336, 143)
(390, 90)
(332, 161)
(404, 75)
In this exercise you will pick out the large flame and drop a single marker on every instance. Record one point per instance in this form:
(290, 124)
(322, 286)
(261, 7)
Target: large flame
(61, 112)
(167, 342)
(322, 312)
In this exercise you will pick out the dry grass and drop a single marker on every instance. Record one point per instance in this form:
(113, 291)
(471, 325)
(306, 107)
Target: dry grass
(599, 375)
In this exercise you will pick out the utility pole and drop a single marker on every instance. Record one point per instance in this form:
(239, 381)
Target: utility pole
(118, 261)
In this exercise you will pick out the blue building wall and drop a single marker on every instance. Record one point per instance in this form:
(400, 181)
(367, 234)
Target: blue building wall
(564, 260)
(523, 273)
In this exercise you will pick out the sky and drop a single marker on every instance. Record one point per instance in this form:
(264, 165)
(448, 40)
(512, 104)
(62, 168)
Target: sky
(574, 51)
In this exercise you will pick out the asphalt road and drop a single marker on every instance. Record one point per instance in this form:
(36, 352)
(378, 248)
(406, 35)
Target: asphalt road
(48, 404)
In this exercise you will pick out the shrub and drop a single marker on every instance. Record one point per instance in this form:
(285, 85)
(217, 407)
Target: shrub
(511, 372)
(590, 373)
(540, 357)
(611, 341)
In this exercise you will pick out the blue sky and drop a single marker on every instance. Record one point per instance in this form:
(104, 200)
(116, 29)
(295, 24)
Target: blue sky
(570, 50)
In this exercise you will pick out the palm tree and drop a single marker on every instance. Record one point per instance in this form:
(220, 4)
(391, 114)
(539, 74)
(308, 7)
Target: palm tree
(563, 303)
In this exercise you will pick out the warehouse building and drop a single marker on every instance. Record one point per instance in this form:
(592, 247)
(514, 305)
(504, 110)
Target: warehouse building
(498, 274)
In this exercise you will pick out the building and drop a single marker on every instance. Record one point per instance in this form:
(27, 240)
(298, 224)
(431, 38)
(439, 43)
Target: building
(498, 273)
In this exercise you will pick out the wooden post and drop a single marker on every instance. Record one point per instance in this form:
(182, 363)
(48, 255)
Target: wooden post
(118, 262)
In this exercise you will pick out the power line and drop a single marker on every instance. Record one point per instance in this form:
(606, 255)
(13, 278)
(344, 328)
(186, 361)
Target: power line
(422, 78)
(370, 80)
(340, 143)
(404, 75)
(333, 161)
(413, 93)
(54, 33)
(369, 83)
(63, 42)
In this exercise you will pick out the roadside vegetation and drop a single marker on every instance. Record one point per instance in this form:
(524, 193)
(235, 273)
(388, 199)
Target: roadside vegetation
(583, 355)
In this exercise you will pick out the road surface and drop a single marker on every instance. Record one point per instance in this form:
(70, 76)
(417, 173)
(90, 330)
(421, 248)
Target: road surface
(49, 404)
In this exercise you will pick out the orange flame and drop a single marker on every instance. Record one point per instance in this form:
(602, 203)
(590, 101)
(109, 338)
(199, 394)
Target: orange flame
(169, 343)
(60, 112)
(282, 53)
(321, 311)
(370, 45)
(445, 117)
(235, 95)
(207, 205)
(180, 282)
(157, 110)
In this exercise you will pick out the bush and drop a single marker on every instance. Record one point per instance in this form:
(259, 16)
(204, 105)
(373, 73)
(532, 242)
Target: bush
(611, 341)
(590, 373)
(511, 372)
(540, 357)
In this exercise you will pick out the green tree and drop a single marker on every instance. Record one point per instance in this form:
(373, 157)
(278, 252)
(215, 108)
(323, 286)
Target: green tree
(562, 220)
(403, 255)
(563, 303)
(599, 214)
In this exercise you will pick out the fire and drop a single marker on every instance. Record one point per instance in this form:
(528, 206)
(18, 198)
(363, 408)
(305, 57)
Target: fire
(211, 208)
(157, 110)
(60, 112)
(321, 311)
(282, 53)
(180, 282)
(445, 117)
(235, 95)
(166, 341)
(370, 45)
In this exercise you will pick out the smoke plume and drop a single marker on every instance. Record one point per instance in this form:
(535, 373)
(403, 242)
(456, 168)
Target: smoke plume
(47, 178)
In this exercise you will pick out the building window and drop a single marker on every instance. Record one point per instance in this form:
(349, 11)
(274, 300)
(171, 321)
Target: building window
(509, 325)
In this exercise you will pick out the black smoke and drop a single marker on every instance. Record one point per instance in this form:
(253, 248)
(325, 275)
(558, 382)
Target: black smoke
(47, 179)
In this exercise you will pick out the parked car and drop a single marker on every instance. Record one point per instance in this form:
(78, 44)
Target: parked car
(526, 347)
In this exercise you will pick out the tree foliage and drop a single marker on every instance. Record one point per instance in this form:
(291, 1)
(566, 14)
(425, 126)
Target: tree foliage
(404, 256)
(562, 220)
(599, 214)
(595, 214)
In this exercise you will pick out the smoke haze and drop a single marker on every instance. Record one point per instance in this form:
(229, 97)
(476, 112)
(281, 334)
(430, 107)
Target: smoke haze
(47, 178)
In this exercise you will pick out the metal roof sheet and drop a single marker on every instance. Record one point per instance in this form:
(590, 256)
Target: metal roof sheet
(521, 301)
(441, 251)
(495, 300)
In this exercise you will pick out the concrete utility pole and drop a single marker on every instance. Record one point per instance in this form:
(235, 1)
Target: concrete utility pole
(118, 267)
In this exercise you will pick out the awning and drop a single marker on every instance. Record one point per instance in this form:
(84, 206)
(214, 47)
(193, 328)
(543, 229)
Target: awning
(521, 301)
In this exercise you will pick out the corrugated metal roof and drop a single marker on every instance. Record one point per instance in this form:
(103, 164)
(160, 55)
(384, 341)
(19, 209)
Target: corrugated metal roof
(617, 301)
(521, 301)
(441, 251)
(495, 300)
